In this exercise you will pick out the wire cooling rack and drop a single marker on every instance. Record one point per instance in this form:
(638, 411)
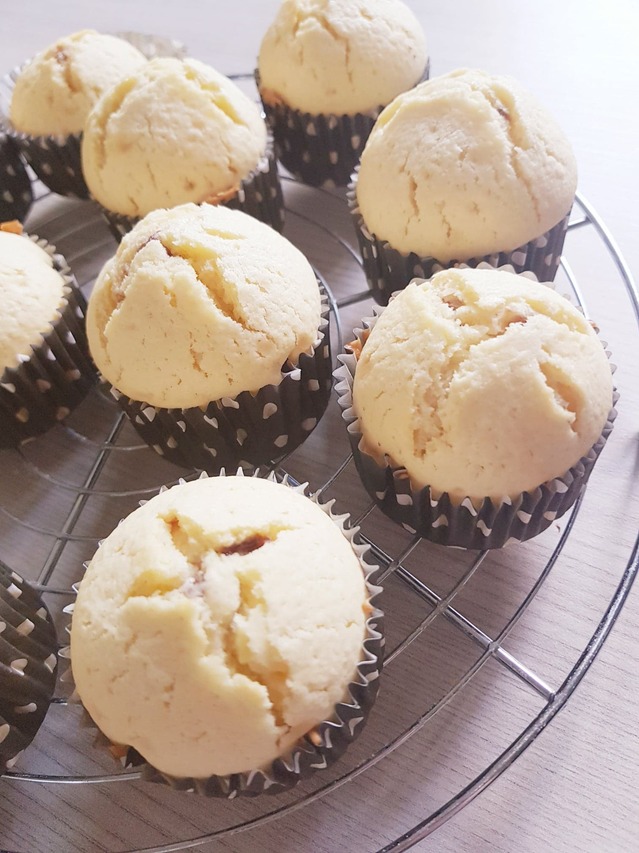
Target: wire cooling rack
(453, 616)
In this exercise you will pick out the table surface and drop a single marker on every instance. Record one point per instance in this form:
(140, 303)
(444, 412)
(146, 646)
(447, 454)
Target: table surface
(575, 788)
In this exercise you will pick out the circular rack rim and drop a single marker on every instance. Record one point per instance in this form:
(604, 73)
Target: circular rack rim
(555, 700)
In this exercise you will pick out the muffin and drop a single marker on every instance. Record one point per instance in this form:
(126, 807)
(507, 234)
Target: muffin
(53, 95)
(211, 329)
(203, 641)
(326, 70)
(477, 406)
(176, 132)
(45, 367)
(467, 167)
(28, 665)
(16, 195)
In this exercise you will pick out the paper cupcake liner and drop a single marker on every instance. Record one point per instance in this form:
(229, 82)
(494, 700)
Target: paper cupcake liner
(56, 159)
(327, 741)
(249, 429)
(320, 149)
(259, 195)
(55, 376)
(16, 195)
(474, 524)
(388, 270)
(28, 665)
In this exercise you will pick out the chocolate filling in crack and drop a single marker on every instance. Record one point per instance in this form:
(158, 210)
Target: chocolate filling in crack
(202, 550)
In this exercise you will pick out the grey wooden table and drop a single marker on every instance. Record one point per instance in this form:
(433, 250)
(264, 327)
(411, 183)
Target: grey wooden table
(575, 788)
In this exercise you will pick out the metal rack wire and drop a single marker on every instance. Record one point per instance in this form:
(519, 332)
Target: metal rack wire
(98, 436)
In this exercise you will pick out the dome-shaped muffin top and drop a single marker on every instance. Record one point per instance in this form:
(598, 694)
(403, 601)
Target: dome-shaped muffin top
(173, 132)
(481, 383)
(55, 92)
(465, 165)
(217, 624)
(341, 56)
(31, 292)
(201, 302)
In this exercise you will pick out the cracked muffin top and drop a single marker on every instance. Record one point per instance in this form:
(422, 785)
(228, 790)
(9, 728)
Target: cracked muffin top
(172, 132)
(201, 638)
(340, 56)
(481, 383)
(201, 302)
(31, 293)
(465, 165)
(55, 92)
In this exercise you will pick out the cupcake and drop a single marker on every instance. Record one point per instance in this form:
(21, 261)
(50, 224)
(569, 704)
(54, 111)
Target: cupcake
(53, 95)
(16, 195)
(467, 167)
(202, 641)
(210, 327)
(326, 70)
(45, 368)
(477, 406)
(176, 132)
(28, 665)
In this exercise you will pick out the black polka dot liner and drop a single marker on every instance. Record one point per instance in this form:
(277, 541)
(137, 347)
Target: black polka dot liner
(55, 376)
(320, 149)
(327, 741)
(248, 430)
(471, 523)
(28, 665)
(16, 195)
(388, 270)
(56, 161)
(259, 195)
